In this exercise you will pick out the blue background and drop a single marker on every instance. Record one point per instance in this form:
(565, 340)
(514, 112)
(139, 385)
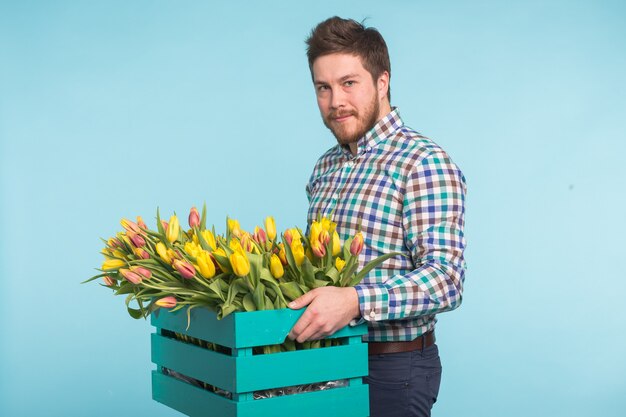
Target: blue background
(110, 110)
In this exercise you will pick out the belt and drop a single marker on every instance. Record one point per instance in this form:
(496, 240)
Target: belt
(422, 342)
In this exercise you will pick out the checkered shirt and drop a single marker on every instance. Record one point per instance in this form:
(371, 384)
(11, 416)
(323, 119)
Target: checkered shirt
(407, 196)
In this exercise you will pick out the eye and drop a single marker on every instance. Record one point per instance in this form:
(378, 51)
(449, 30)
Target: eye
(349, 83)
(321, 88)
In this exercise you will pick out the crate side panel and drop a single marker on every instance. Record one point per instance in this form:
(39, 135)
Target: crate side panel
(203, 325)
(195, 362)
(301, 367)
(190, 400)
(336, 402)
(271, 327)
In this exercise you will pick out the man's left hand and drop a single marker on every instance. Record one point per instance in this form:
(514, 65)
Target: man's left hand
(330, 309)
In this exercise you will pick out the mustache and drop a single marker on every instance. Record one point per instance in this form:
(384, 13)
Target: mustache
(344, 113)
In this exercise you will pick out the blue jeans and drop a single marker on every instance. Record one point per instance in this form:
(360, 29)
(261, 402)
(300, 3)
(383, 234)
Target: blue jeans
(404, 384)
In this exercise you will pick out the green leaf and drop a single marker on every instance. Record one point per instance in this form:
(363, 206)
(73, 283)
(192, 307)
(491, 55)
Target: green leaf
(291, 290)
(258, 296)
(333, 274)
(308, 273)
(373, 264)
(248, 303)
(134, 313)
(203, 217)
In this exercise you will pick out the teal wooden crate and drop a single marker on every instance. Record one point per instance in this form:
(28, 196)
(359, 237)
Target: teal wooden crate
(235, 368)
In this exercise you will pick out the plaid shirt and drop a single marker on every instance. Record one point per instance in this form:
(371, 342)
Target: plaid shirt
(408, 196)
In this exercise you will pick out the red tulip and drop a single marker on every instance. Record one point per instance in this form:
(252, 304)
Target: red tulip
(166, 302)
(357, 244)
(131, 276)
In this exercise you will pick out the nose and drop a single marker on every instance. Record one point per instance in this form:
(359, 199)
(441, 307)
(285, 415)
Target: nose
(338, 99)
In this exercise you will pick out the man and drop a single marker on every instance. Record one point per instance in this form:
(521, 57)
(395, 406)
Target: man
(407, 196)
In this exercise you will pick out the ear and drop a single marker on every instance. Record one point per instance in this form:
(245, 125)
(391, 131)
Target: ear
(382, 84)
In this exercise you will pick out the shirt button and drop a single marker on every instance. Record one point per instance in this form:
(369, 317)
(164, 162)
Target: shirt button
(372, 314)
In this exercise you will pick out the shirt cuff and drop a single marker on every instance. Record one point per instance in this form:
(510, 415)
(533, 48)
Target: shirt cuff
(373, 302)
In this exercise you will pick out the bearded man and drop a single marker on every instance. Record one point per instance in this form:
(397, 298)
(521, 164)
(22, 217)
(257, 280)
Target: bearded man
(407, 196)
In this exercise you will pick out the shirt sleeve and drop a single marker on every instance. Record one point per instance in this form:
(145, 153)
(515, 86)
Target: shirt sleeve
(433, 221)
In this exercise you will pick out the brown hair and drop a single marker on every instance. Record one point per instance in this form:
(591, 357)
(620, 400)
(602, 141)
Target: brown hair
(337, 35)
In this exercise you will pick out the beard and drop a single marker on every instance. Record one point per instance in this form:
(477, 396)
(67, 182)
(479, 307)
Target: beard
(365, 120)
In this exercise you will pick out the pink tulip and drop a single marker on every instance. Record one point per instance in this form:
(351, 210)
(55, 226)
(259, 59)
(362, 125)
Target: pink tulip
(108, 281)
(142, 253)
(259, 236)
(143, 272)
(166, 302)
(130, 226)
(130, 276)
(185, 269)
(194, 218)
(288, 236)
(357, 244)
(324, 237)
(318, 249)
(137, 239)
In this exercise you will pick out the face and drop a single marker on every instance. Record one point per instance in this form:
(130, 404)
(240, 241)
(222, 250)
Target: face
(350, 102)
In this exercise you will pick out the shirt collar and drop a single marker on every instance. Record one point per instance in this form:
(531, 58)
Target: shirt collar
(381, 131)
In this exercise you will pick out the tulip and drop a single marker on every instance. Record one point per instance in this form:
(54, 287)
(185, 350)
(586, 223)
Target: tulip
(336, 244)
(173, 229)
(234, 227)
(192, 249)
(184, 268)
(166, 302)
(326, 224)
(316, 229)
(298, 251)
(137, 239)
(163, 252)
(164, 224)
(140, 223)
(141, 253)
(324, 237)
(240, 263)
(131, 276)
(339, 264)
(259, 236)
(246, 242)
(357, 244)
(143, 272)
(115, 243)
(224, 264)
(282, 255)
(108, 281)
(270, 226)
(236, 245)
(318, 249)
(194, 218)
(111, 264)
(276, 267)
(130, 226)
(206, 267)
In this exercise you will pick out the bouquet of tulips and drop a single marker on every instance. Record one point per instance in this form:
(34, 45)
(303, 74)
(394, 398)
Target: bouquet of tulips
(175, 268)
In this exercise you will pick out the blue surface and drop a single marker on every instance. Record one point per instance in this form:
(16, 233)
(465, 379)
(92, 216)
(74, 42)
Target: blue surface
(108, 110)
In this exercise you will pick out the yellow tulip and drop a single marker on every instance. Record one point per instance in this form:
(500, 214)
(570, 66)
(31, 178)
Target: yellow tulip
(192, 249)
(240, 263)
(205, 266)
(339, 264)
(326, 224)
(111, 264)
(234, 227)
(316, 229)
(236, 246)
(276, 267)
(173, 229)
(163, 252)
(209, 238)
(336, 244)
(270, 227)
(298, 251)
(281, 253)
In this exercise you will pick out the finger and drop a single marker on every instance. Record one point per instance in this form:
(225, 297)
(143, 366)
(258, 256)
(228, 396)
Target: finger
(300, 326)
(302, 301)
